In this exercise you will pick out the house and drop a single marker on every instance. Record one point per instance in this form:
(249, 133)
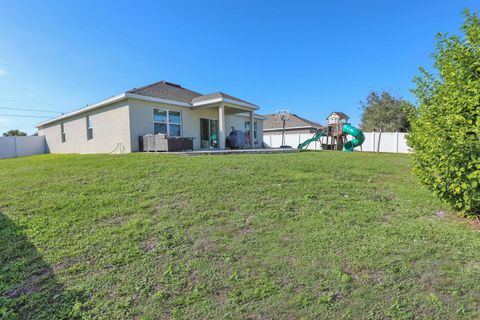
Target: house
(337, 117)
(158, 108)
(295, 124)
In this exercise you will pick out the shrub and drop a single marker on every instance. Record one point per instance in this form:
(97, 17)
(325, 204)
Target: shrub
(445, 129)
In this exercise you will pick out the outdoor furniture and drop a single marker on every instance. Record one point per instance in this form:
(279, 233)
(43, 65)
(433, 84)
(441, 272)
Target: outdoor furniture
(236, 139)
(161, 142)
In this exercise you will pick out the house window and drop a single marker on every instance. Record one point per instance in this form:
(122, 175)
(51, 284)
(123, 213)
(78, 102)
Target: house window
(62, 132)
(247, 128)
(174, 123)
(89, 128)
(167, 122)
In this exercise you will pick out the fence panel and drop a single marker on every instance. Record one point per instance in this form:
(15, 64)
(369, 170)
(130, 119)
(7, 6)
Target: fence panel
(11, 147)
(390, 141)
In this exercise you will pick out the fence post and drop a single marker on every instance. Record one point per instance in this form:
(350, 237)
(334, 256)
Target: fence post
(15, 145)
(373, 141)
(396, 142)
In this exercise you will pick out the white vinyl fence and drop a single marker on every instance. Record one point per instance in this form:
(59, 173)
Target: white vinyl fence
(11, 147)
(390, 141)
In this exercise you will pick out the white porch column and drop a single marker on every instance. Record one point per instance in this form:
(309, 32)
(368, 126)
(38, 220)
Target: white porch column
(252, 130)
(221, 126)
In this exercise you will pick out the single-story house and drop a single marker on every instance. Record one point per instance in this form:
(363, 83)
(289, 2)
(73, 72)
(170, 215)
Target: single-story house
(294, 124)
(158, 108)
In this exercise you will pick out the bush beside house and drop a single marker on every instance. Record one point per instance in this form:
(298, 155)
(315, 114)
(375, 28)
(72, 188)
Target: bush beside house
(446, 127)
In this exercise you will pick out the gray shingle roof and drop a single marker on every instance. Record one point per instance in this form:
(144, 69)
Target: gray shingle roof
(175, 92)
(166, 90)
(293, 121)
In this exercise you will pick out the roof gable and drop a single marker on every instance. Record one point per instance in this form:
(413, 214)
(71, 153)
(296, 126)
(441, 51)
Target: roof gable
(166, 90)
(216, 95)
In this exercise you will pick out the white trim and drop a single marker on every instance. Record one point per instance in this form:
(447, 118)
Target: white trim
(256, 116)
(116, 98)
(225, 100)
(152, 99)
(240, 103)
(290, 128)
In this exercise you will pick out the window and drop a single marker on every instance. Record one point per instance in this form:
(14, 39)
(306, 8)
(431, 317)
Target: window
(247, 128)
(62, 132)
(167, 122)
(174, 123)
(89, 128)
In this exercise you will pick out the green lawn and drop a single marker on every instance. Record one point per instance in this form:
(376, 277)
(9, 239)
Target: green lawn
(326, 235)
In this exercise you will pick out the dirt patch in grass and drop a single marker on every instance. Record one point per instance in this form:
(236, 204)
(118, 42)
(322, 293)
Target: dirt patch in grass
(150, 244)
(220, 296)
(440, 214)
(32, 285)
(115, 221)
(473, 222)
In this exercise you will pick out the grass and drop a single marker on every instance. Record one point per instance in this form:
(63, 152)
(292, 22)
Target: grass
(312, 235)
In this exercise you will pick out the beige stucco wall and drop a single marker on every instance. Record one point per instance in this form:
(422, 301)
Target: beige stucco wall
(141, 119)
(110, 126)
(124, 121)
(238, 122)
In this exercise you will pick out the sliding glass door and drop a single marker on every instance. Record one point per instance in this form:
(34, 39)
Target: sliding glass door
(209, 133)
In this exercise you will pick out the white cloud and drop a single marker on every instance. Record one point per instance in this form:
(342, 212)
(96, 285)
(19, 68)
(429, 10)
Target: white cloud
(2, 72)
(3, 120)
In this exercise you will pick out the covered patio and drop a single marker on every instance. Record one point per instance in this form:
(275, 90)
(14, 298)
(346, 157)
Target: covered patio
(227, 105)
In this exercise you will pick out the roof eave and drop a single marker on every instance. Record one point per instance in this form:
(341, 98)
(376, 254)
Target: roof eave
(225, 100)
(113, 99)
(160, 100)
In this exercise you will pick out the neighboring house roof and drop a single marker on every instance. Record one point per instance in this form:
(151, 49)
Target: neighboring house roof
(340, 114)
(163, 92)
(294, 122)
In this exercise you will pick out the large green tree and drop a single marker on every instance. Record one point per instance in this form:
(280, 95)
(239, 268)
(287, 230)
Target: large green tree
(383, 111)
(446, 127)
(15, 132)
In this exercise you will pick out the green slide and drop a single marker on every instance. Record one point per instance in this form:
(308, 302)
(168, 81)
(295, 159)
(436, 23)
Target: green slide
(358, 136)
(316, 136)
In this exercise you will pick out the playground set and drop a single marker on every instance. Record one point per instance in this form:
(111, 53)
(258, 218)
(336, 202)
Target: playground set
(335, 134)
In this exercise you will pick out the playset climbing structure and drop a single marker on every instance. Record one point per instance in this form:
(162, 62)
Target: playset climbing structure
(335, 134)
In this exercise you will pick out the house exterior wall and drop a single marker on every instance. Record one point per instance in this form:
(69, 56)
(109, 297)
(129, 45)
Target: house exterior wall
(124, 122)
(141, 119)
(238, 122)
(111, 126)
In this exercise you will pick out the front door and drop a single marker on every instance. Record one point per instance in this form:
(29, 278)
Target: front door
(208, 133)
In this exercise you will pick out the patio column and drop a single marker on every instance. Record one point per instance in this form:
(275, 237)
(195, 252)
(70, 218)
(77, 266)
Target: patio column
(221, 126)
(252, 130)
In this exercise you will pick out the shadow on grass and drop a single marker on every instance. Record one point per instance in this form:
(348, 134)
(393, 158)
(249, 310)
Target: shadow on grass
(28, 286)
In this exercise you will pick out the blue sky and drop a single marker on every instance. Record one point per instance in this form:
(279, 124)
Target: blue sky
(311, 57)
